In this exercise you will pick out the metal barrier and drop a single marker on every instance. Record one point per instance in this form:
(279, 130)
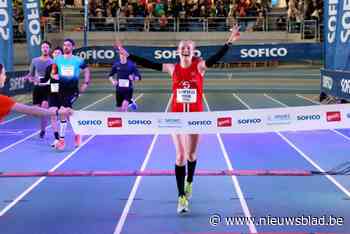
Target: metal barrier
(308, 29)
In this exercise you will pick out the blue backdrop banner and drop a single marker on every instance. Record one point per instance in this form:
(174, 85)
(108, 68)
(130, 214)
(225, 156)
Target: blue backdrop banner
(16, 83)
(335, 78)
(237, 53)
(336, 83)
(31, 10)
(6, 35)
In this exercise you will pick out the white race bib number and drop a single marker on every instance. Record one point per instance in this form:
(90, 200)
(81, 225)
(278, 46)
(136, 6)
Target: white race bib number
(186, 95)
(67, 71)
(54, 88)
(124, 83)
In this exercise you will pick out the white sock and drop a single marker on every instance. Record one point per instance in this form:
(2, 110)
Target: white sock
(63, 127)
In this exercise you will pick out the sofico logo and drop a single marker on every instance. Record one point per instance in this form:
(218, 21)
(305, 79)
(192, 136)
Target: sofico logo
(345, 86)
(333, 116)
(92, 122)
(327, 82)
(4, 21)
(224, 122)
(308, 117)
(264, 52)
(139, 122)
(171, 54)
(200, 123)
(249, 121)
(96, 54)
(113, 122)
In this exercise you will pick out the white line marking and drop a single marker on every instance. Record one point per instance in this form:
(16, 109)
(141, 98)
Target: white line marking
(12, 119)
(307, 99)
(245, 208)
(37, 132)
(122, 219)
(307, 158)
(275, 100)
(41, 179)
(334, 181)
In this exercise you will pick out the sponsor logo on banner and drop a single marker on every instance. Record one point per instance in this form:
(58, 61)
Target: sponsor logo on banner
(327, 82)
(224, 122)
(249, 121)
(345, 86)
(171, 54)
(96, 54)
(17, 83)
(4, 21)
(278, 119)
(139, 122)
(170, 123)
(200, 123)
(333, 116)
(264, 52)
(33, 28)
(90, 122)
(308, 117)
(113, 122)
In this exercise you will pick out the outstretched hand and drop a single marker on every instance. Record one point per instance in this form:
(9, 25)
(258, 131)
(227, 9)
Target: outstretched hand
(119, 46)
(235, 34)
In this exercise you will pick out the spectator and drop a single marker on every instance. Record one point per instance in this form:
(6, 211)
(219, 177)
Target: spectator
(281, 23)
(203, 12)
(159, 9)
(242, 8)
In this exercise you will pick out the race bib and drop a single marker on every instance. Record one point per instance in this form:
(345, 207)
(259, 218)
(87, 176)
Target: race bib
(54, 87)
(124, 83)
(67, 71)
(186, 95)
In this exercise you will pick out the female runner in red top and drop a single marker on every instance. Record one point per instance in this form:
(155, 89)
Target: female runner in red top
(187, 85)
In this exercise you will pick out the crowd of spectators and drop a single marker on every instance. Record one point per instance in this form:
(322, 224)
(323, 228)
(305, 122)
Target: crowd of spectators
(164, 10)
(179, 8)
(299, 10)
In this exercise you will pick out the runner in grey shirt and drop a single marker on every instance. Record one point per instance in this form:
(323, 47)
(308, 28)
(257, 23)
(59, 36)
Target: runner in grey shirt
(37, 75)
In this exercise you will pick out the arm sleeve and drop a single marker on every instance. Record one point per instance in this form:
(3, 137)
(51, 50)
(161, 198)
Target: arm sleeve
(112, 72)
(83, 64)
(216, 57)
(47, 75)
(146, 63)
(32, 69)
(135, 71)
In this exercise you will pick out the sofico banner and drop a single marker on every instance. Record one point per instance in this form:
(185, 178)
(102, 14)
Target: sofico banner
(6, 34)
(337, 34)
(336, 83)
(31, 10)
(16, 83)
(237, 53)
(243, 121)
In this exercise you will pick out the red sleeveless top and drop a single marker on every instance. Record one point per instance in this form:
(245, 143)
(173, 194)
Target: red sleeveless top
(191, 79)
